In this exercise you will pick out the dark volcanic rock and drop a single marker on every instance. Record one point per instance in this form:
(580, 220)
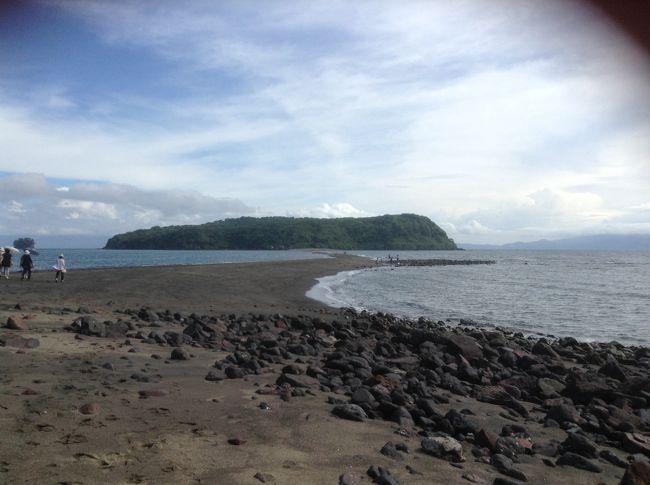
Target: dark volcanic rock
(578, 461)
(381, 476)
(613, 369)
(215, 375)
(582, 387)
(179, 353)
(564, 413)
(613, 459)
(543, 348)
(580, 444)
(153, 393)
(390, 451)
(349, 411)
(90, 326)
(464, 345)
(297, 380)
(18, 342)
(234, 372)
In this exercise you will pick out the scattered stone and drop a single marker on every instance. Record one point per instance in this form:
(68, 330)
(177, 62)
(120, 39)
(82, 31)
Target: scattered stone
(215, 375)
(444, 447)
(297, 380)
(179, 353)
(16, 324)
(90, 408)
(153, 393)
(390, 451)
(580, 444)
(578, 461)
(18, 342)
(613, 459)
(474, 478)
(638, 473)
(349, 479)
(381, 476)
(236, 441)
(636, 443)
(350, 411)
(264, 477)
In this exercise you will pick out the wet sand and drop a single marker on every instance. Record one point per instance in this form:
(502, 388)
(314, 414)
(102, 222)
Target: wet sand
(240, 288)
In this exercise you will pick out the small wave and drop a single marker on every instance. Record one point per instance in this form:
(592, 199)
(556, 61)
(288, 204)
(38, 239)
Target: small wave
(325, 290)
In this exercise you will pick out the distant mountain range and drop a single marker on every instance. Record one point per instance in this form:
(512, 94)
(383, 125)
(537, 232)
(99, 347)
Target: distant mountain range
(601, 242)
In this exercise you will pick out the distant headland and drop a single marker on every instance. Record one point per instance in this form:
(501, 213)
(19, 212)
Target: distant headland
(387, 232)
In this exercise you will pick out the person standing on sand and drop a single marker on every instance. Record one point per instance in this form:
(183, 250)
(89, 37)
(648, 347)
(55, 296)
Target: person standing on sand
(5, 263)
(60, 269)
(26, 264)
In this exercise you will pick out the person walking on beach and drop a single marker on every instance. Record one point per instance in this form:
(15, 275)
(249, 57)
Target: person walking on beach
(5, 263)
(26, 264)
(60, 269)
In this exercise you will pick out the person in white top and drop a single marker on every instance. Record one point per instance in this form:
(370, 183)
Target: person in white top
(60, 269)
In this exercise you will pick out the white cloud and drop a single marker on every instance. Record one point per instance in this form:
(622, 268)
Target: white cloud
(104, 209)
(339, 209)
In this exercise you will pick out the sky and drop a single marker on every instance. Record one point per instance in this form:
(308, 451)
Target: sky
(501, 121)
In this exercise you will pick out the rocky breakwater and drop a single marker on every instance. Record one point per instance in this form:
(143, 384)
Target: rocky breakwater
(434, 381)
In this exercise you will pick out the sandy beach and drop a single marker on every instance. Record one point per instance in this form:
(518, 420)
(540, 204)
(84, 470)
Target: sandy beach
(85, 409)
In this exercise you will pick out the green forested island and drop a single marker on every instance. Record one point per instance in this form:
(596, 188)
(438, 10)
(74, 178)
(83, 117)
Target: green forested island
(403, 232)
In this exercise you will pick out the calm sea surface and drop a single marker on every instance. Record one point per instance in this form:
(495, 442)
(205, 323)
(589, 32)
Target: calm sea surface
(593, 296)
(105, 258)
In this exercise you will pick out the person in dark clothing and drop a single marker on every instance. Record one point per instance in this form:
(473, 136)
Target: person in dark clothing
(26, 264)
(5, 263)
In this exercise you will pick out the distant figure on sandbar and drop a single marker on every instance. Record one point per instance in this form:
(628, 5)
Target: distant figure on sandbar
(27, 265)
(5, 264)
(60, 269)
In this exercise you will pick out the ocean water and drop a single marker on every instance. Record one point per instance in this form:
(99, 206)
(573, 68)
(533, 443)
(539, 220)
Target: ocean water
(590, 295)
(106, 258)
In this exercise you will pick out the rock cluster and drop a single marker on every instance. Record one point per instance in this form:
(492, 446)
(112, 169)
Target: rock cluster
(402, 371)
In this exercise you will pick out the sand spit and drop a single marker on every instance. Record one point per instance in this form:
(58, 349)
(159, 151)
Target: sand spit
(228, 374)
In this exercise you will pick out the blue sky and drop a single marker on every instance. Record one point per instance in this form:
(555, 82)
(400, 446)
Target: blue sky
(501, 121)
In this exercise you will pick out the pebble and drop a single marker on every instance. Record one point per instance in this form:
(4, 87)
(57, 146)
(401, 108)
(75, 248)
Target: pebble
(90, 408)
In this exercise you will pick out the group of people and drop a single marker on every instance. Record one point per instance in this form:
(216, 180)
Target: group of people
(27, 265)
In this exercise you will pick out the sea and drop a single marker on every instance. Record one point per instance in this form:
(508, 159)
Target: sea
(109, 258)
(591, 295)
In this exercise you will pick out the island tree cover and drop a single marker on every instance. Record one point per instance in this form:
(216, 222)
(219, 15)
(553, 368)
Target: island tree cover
(403, 232)
(24, 243)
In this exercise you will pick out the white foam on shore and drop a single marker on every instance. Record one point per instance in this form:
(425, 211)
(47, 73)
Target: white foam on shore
(327, 289)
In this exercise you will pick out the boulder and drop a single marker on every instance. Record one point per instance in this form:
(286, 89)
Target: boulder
(179, 353)
(638, 473)
(350, 411)
(464, 345)
(580, 444)
(18, 342)
(578, 461)
(16, 324)
(443, 447)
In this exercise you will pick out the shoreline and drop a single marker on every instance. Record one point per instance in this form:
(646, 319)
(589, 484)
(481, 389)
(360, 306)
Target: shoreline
(230, 374)
(233, 287)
